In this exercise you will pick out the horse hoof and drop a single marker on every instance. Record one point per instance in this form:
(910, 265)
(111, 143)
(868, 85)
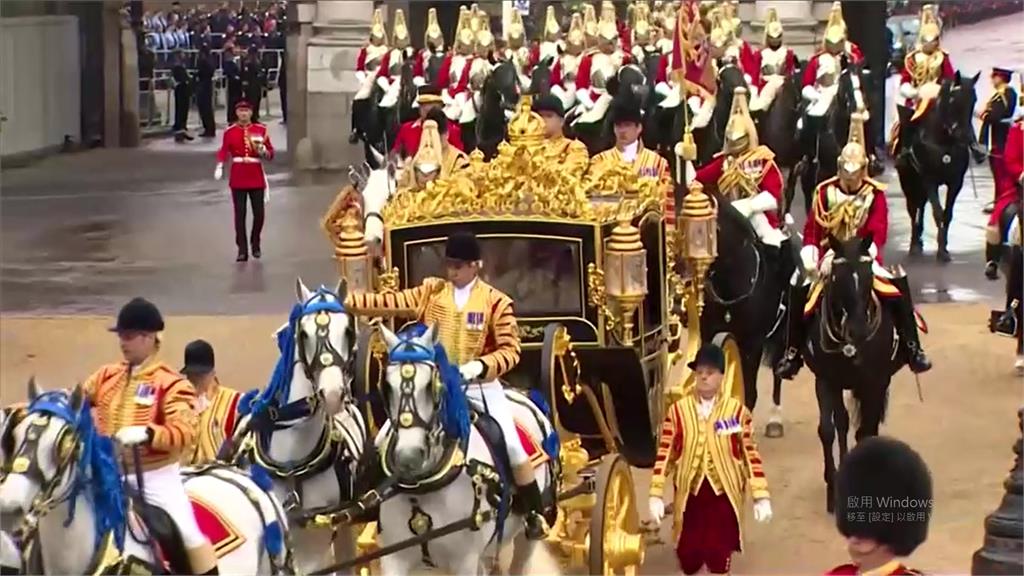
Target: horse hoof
(774, 430)
(916, 249)
(944, 257)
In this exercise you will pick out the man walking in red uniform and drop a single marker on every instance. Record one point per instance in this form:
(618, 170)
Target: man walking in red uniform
(248, 144)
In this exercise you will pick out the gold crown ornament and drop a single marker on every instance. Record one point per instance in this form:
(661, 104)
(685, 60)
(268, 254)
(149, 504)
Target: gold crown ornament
(433, 35)
(399, 31)
(772, 25)
(930, 30)
(552, 31)
(378, 35)
(835, 30)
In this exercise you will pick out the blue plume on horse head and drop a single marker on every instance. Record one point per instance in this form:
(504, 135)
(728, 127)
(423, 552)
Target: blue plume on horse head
(96, 471)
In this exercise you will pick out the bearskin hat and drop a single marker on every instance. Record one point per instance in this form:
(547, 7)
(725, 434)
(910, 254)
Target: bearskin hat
(883, 492)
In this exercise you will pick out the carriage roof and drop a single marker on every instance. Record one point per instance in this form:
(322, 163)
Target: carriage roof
(526, 181)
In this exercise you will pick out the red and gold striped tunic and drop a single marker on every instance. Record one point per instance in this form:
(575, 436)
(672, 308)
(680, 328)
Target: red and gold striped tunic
(485, 329)
(648, 164)
(151, 394)
(719, 449)
(216, 424)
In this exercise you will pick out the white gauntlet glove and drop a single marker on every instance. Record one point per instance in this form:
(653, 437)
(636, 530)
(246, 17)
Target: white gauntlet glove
(656, 506)
(762, 510)
(133, 435)
(218, 172)
(472, 370)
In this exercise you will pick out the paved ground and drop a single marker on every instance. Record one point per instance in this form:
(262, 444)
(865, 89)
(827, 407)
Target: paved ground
(80, 234)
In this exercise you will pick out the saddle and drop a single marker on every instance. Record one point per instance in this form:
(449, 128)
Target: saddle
(489, 429)
(158, 525)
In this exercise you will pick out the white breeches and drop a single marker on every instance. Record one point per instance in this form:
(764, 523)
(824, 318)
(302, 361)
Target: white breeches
(566, 95)
(765, 231)
(453, 105)
(820, 106)
(165, 488)
(490, 398)
(764, 99)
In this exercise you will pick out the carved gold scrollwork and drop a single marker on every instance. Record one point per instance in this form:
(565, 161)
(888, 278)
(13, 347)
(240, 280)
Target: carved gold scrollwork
(388, 281)
(596, 295)
(526, 331)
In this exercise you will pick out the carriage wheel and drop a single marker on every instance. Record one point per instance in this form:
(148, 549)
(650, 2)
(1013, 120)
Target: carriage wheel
(733, 380)
(616, 544)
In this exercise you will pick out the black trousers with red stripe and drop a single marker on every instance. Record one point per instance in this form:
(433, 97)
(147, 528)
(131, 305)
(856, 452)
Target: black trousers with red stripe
(241, 198)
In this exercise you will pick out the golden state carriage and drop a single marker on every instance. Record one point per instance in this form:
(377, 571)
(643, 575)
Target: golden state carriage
(588, 264)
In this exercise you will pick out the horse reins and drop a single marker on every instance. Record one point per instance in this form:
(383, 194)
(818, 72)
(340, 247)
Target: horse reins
(827, 331)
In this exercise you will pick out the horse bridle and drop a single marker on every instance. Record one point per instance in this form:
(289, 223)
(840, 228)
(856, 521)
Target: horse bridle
(407, 355)
(827, 330)
(325, 355)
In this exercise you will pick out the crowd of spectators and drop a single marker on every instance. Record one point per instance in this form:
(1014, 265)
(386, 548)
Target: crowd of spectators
(242, 24)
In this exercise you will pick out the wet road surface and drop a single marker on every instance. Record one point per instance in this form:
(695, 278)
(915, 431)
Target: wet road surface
(81, 233)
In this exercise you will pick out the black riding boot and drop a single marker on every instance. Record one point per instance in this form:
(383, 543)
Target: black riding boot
(792, 361)
(993, 252)
(536, 525)
(906, 324)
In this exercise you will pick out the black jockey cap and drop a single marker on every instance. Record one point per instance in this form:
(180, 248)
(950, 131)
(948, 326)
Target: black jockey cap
(549, 103)
(462, 246)
(626, 110)
(429, 95)
(711, 356)
(1006, 74)
(437, 115)
(198, 358)
(884, 493)
(139, 315)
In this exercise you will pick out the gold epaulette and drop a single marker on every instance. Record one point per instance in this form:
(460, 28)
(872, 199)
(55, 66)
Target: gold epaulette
(878, 185)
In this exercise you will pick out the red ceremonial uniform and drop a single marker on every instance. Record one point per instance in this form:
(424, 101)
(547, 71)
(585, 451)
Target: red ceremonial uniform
(894, 568)
(906, 74)
(876, 220)
(1008, 188)
(811, 71)
(408, 140)
(788, 66)
(444, 78)
(749, 61)
(761, 169)
(583, 75)
(246, 164)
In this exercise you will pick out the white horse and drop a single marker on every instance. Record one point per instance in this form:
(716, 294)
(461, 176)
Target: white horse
(376, 188)
(304, 429)
(433, 455)
(65, 487)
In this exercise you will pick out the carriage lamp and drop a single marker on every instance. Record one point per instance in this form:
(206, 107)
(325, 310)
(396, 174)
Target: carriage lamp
(698, 238)
(625, 272)
(354, 261)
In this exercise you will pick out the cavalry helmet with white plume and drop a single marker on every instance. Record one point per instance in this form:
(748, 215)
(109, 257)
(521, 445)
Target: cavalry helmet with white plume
(433, 37)
(835, 29)
(516, 33)
(484, 38)
(590, 31)
(740, 131)
(772, 26)
(552, 30)
(606, 27)
(642, 30)
(400, 32)
(853, 159)
(930, 29)
(429, 157)
(465, 38)
(378, 35)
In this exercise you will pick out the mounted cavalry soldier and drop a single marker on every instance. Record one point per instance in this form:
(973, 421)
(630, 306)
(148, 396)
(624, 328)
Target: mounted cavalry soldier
(707, 447)
(566, 68)
(142, 402)
(888, 474)
(848, 205)
(477, 328)
(834, 47)
(551, 44)
(599, 66)
(368, 63)
(516, 50)
(407, 142)
(924, 70)
(726, 43)
(436, 158)
(1010, 322)
(453, 77)
(744, 172)
(996, 119)
(777, 63)
(645, 51)
(689, 45)
(433, 49)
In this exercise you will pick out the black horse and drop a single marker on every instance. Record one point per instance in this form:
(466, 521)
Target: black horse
(432, 70)
(940, 145)
(498, 96)
(776, 126)
(540, 78)
(850, 346)
(822, 138)
(377, 126)
(744, 291)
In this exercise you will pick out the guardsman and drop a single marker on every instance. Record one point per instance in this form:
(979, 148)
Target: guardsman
(248, 144)
(627, 119)
(698, 76)
(777, 63)
(516, 50)
(590, 29)
(216, 405)
(569, 152)
(601, 65)
(844, 206)
(731, 43)
(707, 446)
(874, 485)
(433, 47)
(745, 173)
(372, 54)
(436, 157)
(645, 49)
(477, 328)
(407, 142)
(566, 69)
(926, 66)
(143, 402)
(389, 75)
(453, 77)
(834, 45)
(551, 45)
(1012, 320)
(996, 120)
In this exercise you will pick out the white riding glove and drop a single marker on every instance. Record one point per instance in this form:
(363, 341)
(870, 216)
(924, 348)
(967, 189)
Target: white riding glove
(762, 510)
(472, 370)
(656, 506)
(743, 207)
(825, 268)
(218, 172)
(133, 435)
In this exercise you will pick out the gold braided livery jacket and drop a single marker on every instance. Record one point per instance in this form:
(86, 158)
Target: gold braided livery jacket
(719, 449)
(216, 424)
(485, 329)
(152, 394)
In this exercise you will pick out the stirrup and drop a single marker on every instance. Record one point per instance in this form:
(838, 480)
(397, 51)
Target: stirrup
(536, 526)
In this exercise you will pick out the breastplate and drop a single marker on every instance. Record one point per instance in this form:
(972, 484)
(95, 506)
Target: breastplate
(927, 67)
(601, 69)
(458, 64)
(570, 64)
(772, 61)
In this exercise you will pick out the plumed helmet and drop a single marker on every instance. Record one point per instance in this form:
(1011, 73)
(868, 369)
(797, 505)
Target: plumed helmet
(516, 33)
(930, 29)
(883, 492)
(606, 27)
(740, 132)
(399, 31)
(552, 30)
(772, 25)
(433, 35)
(378, 35)
(465, 38)
(590, 30)
(835, 29)
(575, 40)
(429, 157)
(853, 158)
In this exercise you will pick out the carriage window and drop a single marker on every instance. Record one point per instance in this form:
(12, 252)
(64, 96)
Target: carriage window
(541, 275)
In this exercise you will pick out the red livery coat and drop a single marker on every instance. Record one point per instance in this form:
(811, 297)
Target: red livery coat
(894, 568)
(811, 71)
(876, 223)
(788, 66)
(1008, 184)
(246, 164)
(408, 140)
(770, 180)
